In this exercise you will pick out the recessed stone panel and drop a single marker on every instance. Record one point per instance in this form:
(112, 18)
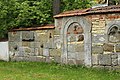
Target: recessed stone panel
(28, 36)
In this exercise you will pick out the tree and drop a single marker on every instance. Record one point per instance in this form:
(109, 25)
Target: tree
(26, 13)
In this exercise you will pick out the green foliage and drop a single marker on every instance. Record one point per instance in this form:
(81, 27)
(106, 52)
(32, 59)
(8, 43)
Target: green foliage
(25, 13)
(18, 13)
(74, 4)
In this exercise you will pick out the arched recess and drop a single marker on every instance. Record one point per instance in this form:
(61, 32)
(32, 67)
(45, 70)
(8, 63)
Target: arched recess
(113, 32)
(81, 22)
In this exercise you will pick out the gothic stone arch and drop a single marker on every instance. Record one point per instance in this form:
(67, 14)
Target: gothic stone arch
(80, 21)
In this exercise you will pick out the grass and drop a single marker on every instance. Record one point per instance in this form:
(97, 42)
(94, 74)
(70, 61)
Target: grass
(45, 71)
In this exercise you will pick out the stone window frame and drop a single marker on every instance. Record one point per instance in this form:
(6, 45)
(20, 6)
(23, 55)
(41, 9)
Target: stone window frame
(109, 26)
(109, 31)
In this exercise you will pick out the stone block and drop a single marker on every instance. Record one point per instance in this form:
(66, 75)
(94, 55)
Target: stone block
(98, 67)
(46, 52)
(71, 61)
(95, 59)
(97, 49)
(39, 58)
(105, 59)
(16, 59)
(114, 56)
(26, 44)
(55, 52)
(14, 36)
(98, 38)
(43, 38)
(36, 52)
(108, 47)
(14, 46)
(117, 48)
(79, 62)
(114, 62)
(57, 59)
(32, 58)
(28, 35)
(119, 59)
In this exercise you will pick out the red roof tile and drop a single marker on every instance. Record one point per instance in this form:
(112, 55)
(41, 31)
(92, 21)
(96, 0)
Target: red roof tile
(35, 28)
(107, 9)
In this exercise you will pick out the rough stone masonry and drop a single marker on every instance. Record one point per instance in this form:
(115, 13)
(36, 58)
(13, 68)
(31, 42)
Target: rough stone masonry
(89, 37)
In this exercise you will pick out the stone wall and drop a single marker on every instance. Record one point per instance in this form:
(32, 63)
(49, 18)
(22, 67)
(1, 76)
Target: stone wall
(105, 53)
(37, 45)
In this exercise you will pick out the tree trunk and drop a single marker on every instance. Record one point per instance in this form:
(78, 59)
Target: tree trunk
(56, 7)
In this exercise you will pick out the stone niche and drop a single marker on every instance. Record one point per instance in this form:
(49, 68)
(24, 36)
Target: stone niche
(27, 36)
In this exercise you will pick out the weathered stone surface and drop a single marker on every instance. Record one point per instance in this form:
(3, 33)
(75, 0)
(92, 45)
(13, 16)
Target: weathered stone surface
(108, 47)
(28, 35)
(98, 67)
(114, 62)
(57, 59)
(55, 52)
(14, 46)
(98, 38)
(14, 36)
(104, 59)
(80, 56)
(114, 56)
(79, 47)
(95, 59)
(36, 52)
(71, 37)
(26, 44)
(46, 52)
(71, 47)
(81, 62)
(71, 55)
(119, 59)
(48, 59)
(97, 49)
(117, 48)
(72, 61)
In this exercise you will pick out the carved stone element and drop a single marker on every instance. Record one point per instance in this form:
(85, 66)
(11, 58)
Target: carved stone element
(27, 36)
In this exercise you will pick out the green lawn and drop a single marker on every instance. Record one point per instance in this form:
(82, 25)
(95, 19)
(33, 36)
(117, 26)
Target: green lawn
(45, 71)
